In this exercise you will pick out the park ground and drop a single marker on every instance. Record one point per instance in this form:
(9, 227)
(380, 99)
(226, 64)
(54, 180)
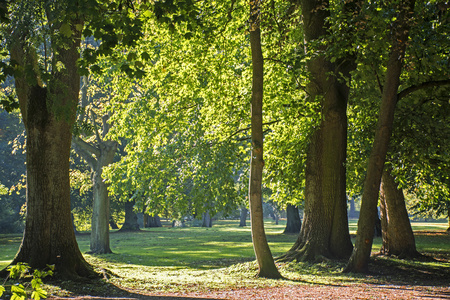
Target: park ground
(218, 263)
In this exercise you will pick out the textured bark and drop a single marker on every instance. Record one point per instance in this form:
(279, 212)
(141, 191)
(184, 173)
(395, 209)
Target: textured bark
(243, 217)
(263, 254)
(324, 231)
(359, 260)
(48, 113)
(398, 237)
(293, 223)
(131, 220)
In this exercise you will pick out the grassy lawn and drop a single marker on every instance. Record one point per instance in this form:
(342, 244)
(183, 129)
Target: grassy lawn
(172, 259)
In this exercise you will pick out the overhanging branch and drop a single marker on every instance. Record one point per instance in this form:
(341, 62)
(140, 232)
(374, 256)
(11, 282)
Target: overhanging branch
(421, 86)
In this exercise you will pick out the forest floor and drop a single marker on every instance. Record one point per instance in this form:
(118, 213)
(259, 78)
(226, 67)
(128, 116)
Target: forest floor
(218, 263)
(427, 277)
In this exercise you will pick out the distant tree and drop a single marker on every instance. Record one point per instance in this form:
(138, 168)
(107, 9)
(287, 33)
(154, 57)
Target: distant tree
(293, 221)
(98, 153)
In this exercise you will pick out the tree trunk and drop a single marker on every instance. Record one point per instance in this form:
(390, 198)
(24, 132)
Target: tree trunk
(398, 237)
(352, 212)
(293, 223)
(359, 260)
(131, 220)
(99, 243)
(98, 155)
(243, 217)
(48, 114)
(206, 220)
(325, 225)
(448, 215)
(264, 257)
(154, 221)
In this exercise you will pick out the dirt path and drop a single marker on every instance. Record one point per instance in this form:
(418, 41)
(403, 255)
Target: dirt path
(302, 292)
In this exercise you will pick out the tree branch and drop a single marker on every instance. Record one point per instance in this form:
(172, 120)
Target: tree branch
(249, 127)
(421, 86)
(97, 135)
(86, 150)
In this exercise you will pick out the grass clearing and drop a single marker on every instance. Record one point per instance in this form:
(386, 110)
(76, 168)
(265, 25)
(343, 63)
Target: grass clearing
(194, 259)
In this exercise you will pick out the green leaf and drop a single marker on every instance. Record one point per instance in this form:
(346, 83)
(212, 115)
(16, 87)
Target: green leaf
(39, 294)
(2, 290)
(66, 30)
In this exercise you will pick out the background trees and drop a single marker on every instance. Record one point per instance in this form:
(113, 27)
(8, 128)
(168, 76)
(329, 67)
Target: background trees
(180, 98)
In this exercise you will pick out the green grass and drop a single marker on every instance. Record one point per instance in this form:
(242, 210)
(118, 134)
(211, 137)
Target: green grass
(173, 259)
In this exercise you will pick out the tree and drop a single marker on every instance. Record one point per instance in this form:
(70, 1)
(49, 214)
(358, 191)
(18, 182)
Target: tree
(359, 259)
(325, 226)
(47, 88)
(243, 216)
(131, 220)
(264, 257)
(48, 110)
(97, 153)
(293, 222)
(397, 234)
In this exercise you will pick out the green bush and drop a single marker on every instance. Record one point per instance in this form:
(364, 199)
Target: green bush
(21, 273)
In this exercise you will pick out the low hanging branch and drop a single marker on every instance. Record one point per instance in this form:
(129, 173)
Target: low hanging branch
(421, 86)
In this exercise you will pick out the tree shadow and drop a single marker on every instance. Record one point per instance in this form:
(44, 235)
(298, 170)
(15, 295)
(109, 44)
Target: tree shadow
(98, 289)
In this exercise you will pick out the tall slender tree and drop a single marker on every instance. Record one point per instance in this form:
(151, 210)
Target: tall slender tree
(267, 267)
(359, 260)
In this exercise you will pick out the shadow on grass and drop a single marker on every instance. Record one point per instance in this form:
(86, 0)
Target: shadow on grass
(430, 270)
(101, 290)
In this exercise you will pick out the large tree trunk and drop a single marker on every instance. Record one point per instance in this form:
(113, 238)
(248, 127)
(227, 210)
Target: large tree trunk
(131, 220)
(359, 261)
(243, 217)
(263, 254)
(398, 237)
(49, 113)
(293, 223)
(325, 225)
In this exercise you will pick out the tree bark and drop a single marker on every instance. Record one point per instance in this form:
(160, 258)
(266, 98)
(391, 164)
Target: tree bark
(131, 220)
(243, 217)
(397, 234)
(325, 225)
(263, 254)
(293, 223)
(48, 113)
(359, 260)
